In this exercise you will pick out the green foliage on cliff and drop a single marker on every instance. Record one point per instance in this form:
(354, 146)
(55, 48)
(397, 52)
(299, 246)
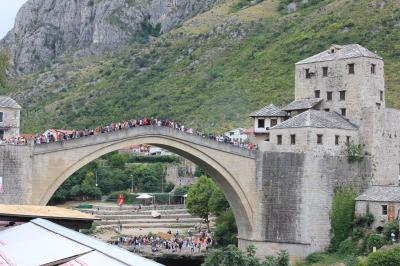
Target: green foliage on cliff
(212, 71)
(4, 60)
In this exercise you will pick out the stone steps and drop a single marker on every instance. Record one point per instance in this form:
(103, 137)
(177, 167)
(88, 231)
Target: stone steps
(131, 212)
(148, 225)
(148, 221)
(134, 217)
(134, 207)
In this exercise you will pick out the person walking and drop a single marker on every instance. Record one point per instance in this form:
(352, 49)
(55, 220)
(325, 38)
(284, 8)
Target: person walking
(199, 246)
(191, 247)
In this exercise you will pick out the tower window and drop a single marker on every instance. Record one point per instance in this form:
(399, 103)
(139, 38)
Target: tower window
(317, 93)
(1, 116)
(1, 134)
(293, 139)
(351, 68)
(336, 140)
(326, 109)
(319, 138)
(329, 96)
(279, 139)
(342, 95)
(384, 210)
(343, 111)
(378, 105)
(373, 67)
(308, 73)
(261, 123)
(381, 95)
(267, 137)
(273, 122)
(324, 71)
(347, 140)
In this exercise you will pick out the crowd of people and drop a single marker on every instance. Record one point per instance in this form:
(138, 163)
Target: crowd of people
(64, 135)
(20, 140)
(188, 243)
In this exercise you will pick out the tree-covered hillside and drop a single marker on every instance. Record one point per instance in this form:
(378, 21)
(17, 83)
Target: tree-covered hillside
(213, 70)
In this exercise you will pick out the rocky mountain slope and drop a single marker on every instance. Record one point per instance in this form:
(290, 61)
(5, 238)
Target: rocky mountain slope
(46, 29)
(210, 71)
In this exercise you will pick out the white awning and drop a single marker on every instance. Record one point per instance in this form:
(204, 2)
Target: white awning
(43, 242)
(144, 196)
(29, 244)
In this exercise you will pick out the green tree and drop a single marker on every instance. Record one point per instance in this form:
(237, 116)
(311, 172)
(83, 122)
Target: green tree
(225, 232)
(342, 215)
(118, 160)
(217, 203)
(198, 196)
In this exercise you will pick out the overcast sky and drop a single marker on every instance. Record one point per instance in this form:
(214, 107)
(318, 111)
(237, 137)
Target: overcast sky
(8, 11)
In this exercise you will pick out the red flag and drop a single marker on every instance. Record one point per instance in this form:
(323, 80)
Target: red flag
(120, 200)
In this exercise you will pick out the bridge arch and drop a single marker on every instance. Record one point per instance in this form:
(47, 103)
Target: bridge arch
(217, 163)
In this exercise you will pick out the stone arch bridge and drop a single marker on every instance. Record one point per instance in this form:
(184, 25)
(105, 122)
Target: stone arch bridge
(280, 200)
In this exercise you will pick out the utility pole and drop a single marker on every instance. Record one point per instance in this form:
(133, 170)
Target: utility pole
(131, 183)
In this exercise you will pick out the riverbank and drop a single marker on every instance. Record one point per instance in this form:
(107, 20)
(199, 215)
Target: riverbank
(168, 258)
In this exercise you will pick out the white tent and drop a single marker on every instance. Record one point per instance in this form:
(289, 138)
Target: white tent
(185, 196)
(41, 242)
(144, 196)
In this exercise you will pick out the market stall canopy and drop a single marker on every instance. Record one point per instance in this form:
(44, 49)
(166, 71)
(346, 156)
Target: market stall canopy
(144, 196)
(52, 244)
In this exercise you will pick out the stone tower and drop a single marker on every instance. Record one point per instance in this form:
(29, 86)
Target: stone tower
(348, 78)
(9, 117)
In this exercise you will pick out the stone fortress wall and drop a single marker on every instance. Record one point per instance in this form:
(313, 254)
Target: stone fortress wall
(11, 121)
(385, 146)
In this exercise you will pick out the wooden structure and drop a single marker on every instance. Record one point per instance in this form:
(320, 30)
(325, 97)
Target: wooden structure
(73, 219)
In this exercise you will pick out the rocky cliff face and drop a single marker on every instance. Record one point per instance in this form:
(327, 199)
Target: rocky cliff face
(46, 29)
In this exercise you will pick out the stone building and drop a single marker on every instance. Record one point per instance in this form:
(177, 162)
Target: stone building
(339, 99)
(9, 117)
(381, 201)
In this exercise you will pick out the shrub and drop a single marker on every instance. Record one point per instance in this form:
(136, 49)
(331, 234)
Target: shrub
(282, 258)
(347, 247)
(358, 233)
(374, 240)
(355, 152)
(384, 258)
(314, 258)
(389, 228)
(365, 220)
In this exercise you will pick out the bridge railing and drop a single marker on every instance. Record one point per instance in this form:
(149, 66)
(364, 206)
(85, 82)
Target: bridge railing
(150, 130)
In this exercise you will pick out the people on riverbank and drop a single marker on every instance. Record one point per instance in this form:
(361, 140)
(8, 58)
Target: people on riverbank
(176, 243)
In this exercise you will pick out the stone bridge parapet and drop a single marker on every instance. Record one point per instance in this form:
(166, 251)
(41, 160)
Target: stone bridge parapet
(137, 132)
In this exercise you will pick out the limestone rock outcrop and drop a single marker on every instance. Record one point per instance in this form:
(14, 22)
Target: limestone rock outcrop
(46, 29)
